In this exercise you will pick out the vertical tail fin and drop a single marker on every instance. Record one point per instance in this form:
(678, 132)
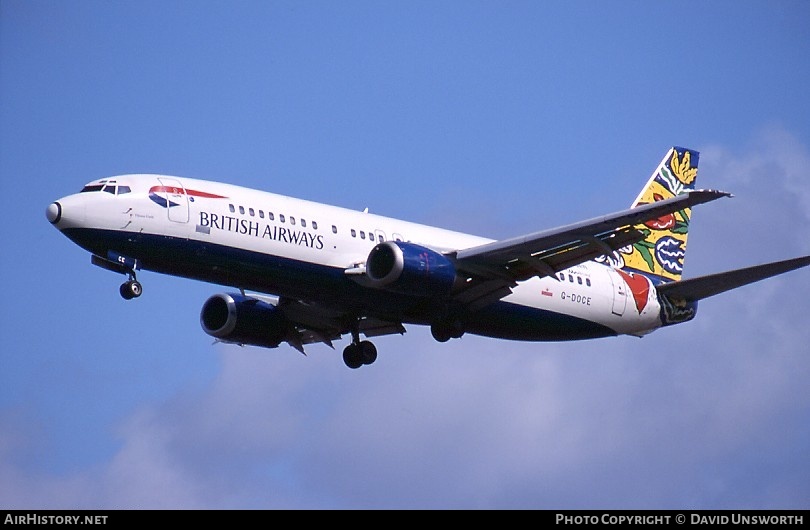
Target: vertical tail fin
(660, 255)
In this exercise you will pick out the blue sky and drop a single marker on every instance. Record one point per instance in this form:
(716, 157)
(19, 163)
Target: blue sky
(496, 118)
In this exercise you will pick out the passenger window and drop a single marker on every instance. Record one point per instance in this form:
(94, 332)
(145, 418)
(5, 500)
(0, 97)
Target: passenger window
(314, 225)
(281, 217)
(270, 216)
(123, 189)
(588, 282)
(579, 280)
(334, 229)
(242, 210)
(292, 220)
(571, 278)
(304, 223)
(252, 213)
(354, 234)
(231, 208)
(362, 235)
(261, 214)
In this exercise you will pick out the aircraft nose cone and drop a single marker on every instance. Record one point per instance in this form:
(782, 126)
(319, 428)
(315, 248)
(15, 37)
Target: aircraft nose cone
(54, 212)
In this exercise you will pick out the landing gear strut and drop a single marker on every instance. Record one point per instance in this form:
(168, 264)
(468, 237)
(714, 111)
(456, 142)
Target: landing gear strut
(359, 352)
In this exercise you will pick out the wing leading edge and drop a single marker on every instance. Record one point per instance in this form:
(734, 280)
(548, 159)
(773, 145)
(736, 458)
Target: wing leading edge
(549, 251)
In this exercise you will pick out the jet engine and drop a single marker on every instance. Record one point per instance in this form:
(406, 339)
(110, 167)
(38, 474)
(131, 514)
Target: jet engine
(409, 268)
(243, 320)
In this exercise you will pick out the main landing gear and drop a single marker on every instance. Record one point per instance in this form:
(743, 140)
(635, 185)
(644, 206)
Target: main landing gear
(359, 352)
(448, 329)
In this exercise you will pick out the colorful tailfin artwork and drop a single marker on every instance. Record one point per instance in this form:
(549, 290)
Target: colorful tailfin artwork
(660, 255)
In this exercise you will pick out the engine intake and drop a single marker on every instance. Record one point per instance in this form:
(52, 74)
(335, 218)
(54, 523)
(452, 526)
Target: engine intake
(409, 268)
(242, 319)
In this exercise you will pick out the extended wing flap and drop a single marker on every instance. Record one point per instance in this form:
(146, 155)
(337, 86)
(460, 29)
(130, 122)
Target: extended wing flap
(317, 323)
(695, 289)
(311, 336)
(373, 327)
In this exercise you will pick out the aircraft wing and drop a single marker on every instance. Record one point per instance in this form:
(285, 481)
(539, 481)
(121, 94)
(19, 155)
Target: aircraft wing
(500, 264)
(695, 289)
(315, 323)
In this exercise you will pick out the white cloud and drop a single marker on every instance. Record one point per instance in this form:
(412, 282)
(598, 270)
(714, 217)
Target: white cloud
(771, 206)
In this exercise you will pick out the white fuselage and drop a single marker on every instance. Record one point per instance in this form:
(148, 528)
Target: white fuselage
(215, 232)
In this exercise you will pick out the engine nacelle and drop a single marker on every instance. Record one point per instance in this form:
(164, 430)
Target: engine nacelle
(409, 268)
(243, 320)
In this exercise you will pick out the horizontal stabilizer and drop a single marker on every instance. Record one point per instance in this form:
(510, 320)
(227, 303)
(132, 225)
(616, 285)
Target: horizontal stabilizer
(705, 286)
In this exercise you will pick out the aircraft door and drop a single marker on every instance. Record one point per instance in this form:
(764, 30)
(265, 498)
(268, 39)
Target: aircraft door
(619, 292)
(176, 199)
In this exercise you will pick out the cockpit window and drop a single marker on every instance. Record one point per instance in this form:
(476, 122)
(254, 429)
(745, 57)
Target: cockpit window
(108, 186)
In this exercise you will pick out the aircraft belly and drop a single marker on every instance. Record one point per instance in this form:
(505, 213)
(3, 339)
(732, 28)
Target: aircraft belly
(587, 293)
(507, 320)
(253, 271)
(546, 309)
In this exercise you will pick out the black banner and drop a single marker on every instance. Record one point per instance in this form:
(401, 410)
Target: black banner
(102, 518)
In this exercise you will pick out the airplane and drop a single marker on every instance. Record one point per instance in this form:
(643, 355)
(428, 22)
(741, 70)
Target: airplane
(309, 273)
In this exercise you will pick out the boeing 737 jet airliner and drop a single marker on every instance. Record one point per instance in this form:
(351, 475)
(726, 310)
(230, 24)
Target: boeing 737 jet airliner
(319, 272)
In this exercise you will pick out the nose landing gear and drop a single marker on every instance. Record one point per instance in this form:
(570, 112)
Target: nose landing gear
(131, 289)
(115, 262)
